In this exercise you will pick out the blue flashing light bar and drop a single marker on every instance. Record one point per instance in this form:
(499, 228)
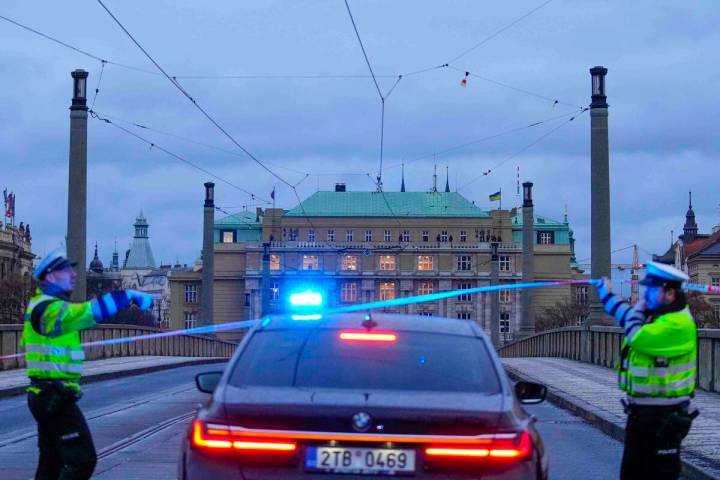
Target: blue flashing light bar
(308, 298)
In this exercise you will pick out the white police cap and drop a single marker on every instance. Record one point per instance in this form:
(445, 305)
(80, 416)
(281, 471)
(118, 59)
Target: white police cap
(55, 260)
(660, 274)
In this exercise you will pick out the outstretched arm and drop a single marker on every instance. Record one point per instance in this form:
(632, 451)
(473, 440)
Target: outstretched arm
(629, 318)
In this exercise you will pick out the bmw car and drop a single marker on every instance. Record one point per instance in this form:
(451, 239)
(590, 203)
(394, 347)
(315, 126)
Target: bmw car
(357, 396)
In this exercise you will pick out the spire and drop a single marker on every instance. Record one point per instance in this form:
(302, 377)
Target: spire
(566, 215)
(434, 186)
(96, 265)
(690, 228)
(402, 184)
(115, 264)
(447, 178)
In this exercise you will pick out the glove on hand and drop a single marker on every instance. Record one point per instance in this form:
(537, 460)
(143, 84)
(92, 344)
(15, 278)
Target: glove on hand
(142, 300)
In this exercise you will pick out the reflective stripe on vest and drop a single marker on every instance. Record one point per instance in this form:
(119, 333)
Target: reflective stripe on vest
(656, 389)
(74, 368)
(59, 351)
(662, 371)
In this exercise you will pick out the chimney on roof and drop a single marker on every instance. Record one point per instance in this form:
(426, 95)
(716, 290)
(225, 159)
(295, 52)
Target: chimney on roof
(340, 187)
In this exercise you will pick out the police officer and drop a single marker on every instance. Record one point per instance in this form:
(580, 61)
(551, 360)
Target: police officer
(54, 360)
(657, 372)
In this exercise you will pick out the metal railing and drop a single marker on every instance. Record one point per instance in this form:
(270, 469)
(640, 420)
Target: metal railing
(178, 345)
(601, 346)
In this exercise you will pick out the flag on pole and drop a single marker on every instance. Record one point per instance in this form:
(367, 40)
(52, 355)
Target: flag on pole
(272, 194)
(495, 197)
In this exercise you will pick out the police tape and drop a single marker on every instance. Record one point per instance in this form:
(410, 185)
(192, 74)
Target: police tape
(239, 325)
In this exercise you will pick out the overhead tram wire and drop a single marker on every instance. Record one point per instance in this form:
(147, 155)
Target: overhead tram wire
(257, 76)
(192, 141)
(499, 31)
(177, 85)
(95, 115)
(483, 139)
(76, 49)
(523, 149)
(99, 82)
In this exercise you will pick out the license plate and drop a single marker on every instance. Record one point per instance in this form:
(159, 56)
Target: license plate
(363, 461)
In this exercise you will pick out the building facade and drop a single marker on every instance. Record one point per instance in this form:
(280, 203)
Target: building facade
(360, 247)
(16, 259)
(698, 255)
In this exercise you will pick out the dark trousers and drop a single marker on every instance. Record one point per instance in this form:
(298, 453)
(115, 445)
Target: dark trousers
(66, 447)
(652, 443)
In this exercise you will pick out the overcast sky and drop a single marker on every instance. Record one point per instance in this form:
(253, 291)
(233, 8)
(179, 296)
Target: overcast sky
(662, 89)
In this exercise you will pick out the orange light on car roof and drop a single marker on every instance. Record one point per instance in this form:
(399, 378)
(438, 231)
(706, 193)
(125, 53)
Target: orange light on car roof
(368, 336)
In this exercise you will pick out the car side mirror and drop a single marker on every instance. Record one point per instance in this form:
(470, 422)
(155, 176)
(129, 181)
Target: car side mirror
(206, 382)
(530, 393)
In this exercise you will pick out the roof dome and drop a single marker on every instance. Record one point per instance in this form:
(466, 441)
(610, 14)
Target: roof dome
(96, 265)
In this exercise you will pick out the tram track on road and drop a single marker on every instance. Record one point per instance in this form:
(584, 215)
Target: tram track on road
(104, 412)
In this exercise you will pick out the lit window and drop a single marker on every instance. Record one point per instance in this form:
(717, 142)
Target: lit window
(464, 297)
(504, 263)
(388, 236)
(310, 262)
(425, 236)
(387, 291)
(444, 236)
(504, 322)
(505, 296)
(274, 262)
(387, 262)
(349, 292)
(368, 235)
(425, 262)
(349, 262)
(581, 295)
(190, 319)
(405, 237)
(464, 315)
(464, 263)
(349, 236)
(275, 291)
(331, 236)
(425, 288)
(311, 235)
(190, 293)
(463, 235)
(228, 236)
(546, 238)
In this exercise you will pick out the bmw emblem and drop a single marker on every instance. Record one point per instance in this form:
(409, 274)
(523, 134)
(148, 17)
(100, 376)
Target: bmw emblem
(361, 422)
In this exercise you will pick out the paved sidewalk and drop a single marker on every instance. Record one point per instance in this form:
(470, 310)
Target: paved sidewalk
(14, 382)
(591, 392)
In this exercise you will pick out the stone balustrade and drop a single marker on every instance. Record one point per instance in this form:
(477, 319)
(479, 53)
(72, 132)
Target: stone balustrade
(177, 345)
(601, 346)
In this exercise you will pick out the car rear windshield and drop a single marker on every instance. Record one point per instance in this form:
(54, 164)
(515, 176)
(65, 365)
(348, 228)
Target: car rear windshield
(317, 358)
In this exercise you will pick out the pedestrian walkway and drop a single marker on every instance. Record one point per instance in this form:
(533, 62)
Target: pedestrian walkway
(14, 382)
(591, 392)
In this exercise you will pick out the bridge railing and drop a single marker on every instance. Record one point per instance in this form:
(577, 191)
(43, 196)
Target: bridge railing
(601, 346)
(178, 345)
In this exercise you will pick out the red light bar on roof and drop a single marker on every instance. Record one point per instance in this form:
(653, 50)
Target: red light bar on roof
(368, 336)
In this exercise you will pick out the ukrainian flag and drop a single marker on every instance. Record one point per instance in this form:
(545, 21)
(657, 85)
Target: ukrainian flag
(495, 197)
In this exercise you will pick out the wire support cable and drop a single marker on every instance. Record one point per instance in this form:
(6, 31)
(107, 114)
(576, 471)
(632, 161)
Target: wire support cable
(152, 145)
(523, 149)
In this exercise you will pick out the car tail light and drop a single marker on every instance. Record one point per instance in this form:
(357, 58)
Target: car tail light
(219, 437)
(368, 336)
(516, 447)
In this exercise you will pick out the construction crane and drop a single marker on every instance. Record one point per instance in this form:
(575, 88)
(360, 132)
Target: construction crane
(634, 269)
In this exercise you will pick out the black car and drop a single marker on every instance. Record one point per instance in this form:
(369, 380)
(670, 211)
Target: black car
(355, 396)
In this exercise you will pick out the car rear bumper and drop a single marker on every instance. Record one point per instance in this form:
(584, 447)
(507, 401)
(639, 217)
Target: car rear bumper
(200, 465)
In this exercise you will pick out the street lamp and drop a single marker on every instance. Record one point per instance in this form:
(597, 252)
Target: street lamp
(599, 99)
(79, 87)
(527, 194)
